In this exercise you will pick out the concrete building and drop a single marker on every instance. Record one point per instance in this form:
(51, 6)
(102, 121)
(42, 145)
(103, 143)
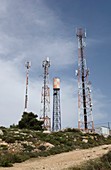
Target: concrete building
(103, 130)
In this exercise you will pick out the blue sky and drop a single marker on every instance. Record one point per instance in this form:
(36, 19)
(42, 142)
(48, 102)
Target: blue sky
(36, 29)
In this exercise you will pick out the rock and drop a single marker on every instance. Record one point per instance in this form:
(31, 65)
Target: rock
(46, 131)
(92, 137)
(48, 145)
(85, 140)
(15, 148)
(16, 132)
(1, 132)
(3, 143)
(75, 139)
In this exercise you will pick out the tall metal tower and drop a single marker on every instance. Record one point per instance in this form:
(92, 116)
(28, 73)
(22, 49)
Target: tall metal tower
(27, 65)
(85, 119)
(56, 124)
(45, 99)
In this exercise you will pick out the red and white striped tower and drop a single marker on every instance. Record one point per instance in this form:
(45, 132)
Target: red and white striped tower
(27, 65)
(85, 118)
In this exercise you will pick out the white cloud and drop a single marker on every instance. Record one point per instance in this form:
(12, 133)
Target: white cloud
(11, 90)
(69, 105)
(3, 8)
(34, 32)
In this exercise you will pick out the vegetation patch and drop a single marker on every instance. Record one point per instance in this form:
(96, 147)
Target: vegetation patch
(17, 145)
(103, 163)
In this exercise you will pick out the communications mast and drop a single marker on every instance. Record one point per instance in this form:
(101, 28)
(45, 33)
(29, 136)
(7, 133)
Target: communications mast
(27, 65)
(45, 99)
(56, 124)
(85, 119)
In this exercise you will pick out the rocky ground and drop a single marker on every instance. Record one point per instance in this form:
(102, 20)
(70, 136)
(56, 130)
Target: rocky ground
(61, 161)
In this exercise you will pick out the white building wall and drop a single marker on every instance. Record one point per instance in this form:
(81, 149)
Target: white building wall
(102, 130)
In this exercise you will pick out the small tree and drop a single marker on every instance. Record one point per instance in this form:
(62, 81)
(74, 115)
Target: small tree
(29, 121)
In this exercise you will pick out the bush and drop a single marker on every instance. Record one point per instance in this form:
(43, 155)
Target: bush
(3, 147)
(7, 160)
(43, 154)
(55, 150)
(42, 147)
(5, 163)
(29, 121)
(107, 160)
(27, 148)
(72, 130)
(74, 168)
(104, 163)
(17, 158)
(10, 139)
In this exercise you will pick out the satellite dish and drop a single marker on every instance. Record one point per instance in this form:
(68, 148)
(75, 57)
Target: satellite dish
(28, 64)
(48, 59)
(76, 72)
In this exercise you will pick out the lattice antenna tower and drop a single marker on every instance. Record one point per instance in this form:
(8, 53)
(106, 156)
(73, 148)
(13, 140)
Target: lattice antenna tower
(45, 99)
(85, 118)
(56, 124)
(27, 65)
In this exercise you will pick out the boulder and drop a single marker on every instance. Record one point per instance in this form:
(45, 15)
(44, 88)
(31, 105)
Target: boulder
(48, 145)
(1, 132)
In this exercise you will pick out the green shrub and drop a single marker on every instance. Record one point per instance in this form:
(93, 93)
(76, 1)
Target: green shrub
(10, 139)
(42, 147)
(5, 163)
(3, 147)
(55, 150)
(43, 154)
(107, 157)
(72, 130)
(107, 160)
(8, 159)
(103, 163)
(27, 148)
(17, 158)
(74, 168)
(5, 160)
(30, 121)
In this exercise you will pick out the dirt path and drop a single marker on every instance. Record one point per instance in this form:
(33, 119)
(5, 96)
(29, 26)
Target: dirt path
(61, 161)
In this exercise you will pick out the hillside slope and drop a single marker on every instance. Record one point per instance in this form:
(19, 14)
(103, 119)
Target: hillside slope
(19, 145)
(63, 160)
